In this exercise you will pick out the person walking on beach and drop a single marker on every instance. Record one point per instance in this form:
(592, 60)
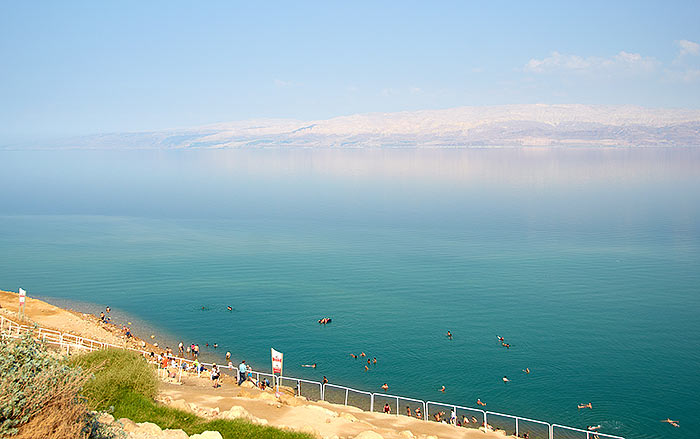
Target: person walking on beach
(181, 348)
(408, 411)
(195, 351)
(242, 368)
(387, 409)
(215, 375)
(228, 356)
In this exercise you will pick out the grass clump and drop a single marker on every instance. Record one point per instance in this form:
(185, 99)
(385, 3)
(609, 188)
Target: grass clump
(116, 372)
(126, 384)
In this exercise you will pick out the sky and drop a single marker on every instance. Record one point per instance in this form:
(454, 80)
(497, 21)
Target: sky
(73, 68)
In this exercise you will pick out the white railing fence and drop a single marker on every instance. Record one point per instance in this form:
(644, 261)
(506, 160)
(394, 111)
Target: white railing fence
(574, 433)
(332, 393)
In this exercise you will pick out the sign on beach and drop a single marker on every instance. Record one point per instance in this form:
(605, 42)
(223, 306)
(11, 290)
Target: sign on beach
(22, 296)
(276, 361)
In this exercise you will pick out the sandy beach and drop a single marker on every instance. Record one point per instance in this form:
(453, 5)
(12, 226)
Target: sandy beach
(322, 419)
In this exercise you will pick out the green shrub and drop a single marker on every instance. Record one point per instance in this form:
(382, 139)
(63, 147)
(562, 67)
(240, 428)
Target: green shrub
(38, 392)
(114, 372)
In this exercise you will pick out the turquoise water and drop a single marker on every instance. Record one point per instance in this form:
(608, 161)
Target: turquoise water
(587, 261)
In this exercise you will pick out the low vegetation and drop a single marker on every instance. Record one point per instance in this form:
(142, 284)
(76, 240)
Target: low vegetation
(40, 395)
(126, 385)
(44, 396)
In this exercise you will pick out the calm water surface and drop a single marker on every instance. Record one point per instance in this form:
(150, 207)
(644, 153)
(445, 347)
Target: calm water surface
(587, 261)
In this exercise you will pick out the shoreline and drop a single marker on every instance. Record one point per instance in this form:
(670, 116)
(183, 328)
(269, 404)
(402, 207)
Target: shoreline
(320, 418)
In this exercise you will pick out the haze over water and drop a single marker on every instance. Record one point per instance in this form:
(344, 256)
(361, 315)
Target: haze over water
(586, 260)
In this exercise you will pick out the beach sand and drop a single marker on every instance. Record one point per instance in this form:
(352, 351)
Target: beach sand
(321, 419)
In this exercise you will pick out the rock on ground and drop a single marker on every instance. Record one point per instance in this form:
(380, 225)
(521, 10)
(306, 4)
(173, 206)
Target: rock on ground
(207, 435)
(369, 434)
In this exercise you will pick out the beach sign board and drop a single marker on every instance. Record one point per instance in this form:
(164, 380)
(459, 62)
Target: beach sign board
(276, 361)
(22, 296)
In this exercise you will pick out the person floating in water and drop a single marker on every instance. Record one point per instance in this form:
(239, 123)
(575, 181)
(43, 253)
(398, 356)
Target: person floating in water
(325, 380)
(501, 339)
(669, 421)
(324, 320)
(442, 389)
(506, 345)
(480, 402)
(593, 427)
(362, 354)
(369, 361)
(526, 370)
(366, 369)
(229, 308)
(585, 406)
(309, 365)
(505, 379)
(353, 356)
(374, 360)
(385, 387)
(449, 335)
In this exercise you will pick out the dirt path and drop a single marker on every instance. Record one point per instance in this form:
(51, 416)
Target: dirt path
(320, 418)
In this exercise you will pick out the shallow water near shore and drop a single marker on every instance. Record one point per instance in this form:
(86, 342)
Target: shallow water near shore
(587, 261)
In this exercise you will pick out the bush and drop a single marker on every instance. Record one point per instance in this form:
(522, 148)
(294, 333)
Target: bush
(38, 393)
(116, 372)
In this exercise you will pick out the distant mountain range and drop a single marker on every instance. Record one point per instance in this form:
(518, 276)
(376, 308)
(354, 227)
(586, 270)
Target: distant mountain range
(494, 126)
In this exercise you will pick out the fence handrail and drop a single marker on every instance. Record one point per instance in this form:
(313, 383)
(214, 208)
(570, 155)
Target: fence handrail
(82, 343)
(488, 412)
(347, 388)
(588, 432)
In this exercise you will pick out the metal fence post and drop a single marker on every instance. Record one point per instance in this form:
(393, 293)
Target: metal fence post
(346, 396)
(516, 426)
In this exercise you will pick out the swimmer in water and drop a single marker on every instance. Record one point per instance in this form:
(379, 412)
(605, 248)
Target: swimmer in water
(449, 335)
(500, 338)
(526, 370)
(353, 355)
(442, 389)
(505, 379)
(325, 380)
(479, 402)
(374, 360)
(362, 354)
(309, 365)
(369, 361)
(474, 420)
(669, 421)
(229, 308)
(385, 387)
(366, 369)
(585, 406)
(593, 427)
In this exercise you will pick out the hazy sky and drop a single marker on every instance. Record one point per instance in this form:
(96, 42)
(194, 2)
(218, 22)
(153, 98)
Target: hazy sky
(71, 68)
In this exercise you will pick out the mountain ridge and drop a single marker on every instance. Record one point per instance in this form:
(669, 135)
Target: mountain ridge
(488, 126)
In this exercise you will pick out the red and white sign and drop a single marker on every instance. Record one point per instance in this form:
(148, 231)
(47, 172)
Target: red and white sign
(22, 296)
(276, 361)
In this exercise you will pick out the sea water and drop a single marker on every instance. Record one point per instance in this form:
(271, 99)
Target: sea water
(587, 262)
